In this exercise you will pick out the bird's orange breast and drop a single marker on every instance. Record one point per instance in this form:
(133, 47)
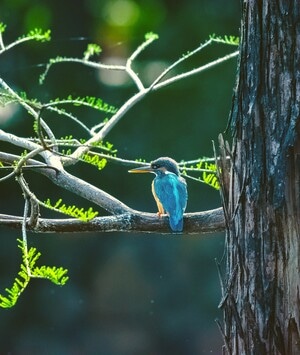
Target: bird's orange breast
(159, 205)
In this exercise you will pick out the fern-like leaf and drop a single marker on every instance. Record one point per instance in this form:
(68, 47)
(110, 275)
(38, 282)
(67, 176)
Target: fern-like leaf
(72, 211)
(53, 274)
(90, 101)
(211, 180)
(38, 34)
(6, 98)
(28, 270)
(91, 50)
(206, 168)
(231, 40)
(95, 160)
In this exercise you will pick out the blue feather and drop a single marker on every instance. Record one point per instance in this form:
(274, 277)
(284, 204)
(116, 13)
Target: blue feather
(171, 191)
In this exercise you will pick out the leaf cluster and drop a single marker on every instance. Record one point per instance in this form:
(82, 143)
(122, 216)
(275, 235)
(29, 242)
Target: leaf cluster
(206, 168)
(72, 211)
(38, 34)
(231, 40)
(28, 270)
(92, 49)
(90, 101)
(94, 159)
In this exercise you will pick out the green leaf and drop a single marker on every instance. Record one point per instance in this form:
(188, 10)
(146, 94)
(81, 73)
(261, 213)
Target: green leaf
(92, 49)
(72, 211)
(95, 160)
(28, 270)
(151, 36)
(2, 27)
(231, 40)
(53, 274)
(207, 170)
(38, 34)
(90, 101)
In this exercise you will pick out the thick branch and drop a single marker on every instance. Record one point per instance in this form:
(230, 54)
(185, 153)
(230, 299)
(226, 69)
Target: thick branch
(194, 223)
(124, 218)
(87, 191)
(79, 187)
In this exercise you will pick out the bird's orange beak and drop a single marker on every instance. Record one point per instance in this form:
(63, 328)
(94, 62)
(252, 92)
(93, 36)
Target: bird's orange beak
(143, 169)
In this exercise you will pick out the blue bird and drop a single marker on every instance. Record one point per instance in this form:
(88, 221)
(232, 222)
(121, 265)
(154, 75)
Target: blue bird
(169, 190)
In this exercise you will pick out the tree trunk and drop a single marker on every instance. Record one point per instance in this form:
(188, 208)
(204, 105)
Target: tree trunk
(261, 192)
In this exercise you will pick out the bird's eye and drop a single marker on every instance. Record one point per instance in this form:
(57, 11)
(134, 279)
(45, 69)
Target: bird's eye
(155, 166)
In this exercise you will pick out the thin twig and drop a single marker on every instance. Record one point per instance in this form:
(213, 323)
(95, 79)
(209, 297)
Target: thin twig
(8, 176)
(180, 60)
(107, 127)
(24, 230)
(22, 102)
(194, 71)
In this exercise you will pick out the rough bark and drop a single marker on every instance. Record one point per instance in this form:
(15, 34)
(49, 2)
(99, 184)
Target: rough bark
(261, 192)
(195, 223)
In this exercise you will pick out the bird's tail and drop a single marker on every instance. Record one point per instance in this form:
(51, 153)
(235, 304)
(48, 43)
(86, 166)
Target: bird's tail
(176, 224)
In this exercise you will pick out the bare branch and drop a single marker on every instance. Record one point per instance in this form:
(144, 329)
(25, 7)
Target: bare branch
(87, 191)
(52, 159)
(180, 60)
(76, 185)
(107, 127)
(27, 107)
(194, 71)
(194, 223)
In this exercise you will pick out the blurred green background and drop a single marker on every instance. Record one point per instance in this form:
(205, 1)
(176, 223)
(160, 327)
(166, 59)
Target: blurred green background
(128, 293)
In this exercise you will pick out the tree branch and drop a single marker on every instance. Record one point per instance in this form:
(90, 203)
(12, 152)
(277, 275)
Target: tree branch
(77, 186)
(124, 219)
(194, 223)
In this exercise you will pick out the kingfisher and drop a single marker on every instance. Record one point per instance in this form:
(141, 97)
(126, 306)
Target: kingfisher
(169, 190)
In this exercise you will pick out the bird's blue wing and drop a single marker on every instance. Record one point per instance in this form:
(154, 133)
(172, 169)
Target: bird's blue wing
(172, 192)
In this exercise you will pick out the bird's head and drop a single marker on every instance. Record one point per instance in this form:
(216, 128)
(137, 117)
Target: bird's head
(159, 166)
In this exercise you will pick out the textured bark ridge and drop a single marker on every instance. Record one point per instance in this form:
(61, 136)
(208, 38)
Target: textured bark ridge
(261, 188)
